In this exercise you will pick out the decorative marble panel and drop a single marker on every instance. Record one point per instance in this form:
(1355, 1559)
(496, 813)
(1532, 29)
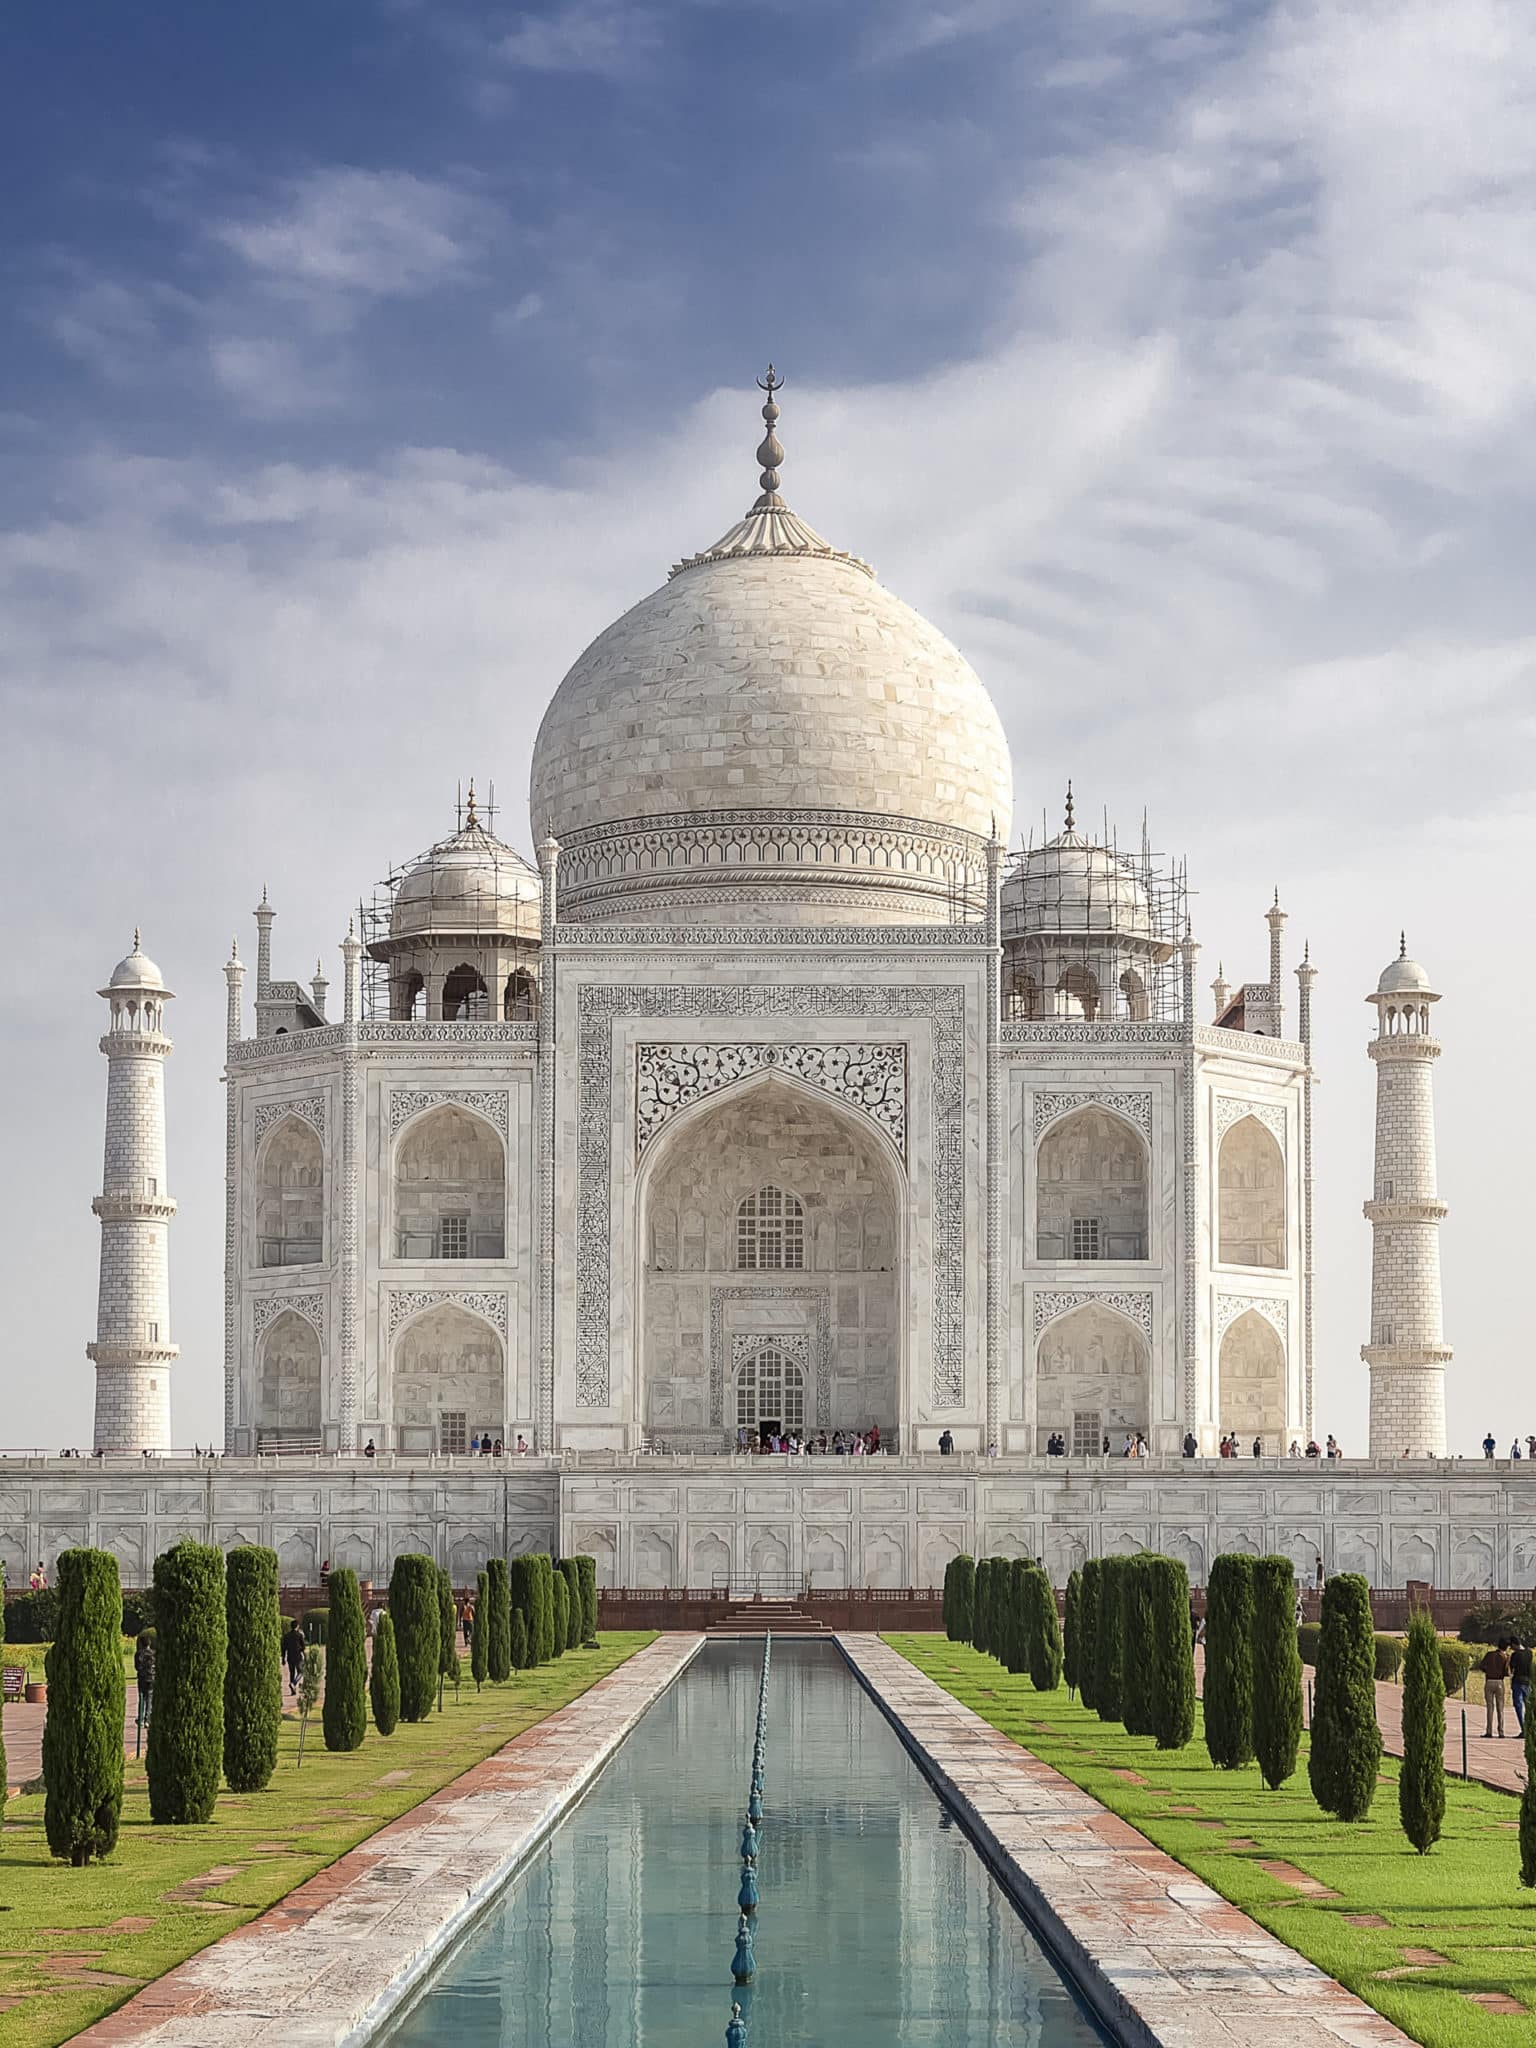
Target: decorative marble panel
(1229, 1110)
(1134, 1104)
(491, 1103)
(265, 1307)
(309, 1109)
(1135, 1302)
(598, 1007)
(870, 1078)
(809, 1356)
(489, 1303)
(1230, 1306)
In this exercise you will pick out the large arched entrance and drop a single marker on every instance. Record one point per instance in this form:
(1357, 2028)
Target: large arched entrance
(1093, 1380)
(771, 1251)
(1252, 1377)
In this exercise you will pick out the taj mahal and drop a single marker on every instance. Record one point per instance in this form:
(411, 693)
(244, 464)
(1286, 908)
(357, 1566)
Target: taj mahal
(785, 1090)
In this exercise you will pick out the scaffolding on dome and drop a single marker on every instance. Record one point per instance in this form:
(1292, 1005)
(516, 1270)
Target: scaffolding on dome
(376, 911)
(1074, 896)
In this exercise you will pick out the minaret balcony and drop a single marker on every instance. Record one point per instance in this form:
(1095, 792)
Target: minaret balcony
(1426, 1209)
(1407, 1354)
(140, 1208)
(133, 1354)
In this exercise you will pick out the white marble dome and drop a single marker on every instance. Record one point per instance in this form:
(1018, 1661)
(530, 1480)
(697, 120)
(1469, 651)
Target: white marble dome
(136, 970)
(771, 680)
(1071, 885)
(1405, 977)
(466, 885)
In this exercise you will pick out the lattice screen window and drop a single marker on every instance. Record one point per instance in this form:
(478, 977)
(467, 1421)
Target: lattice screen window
(454, 1237)
(770, 1233)
(1087, 1241)
(1087, 1433)
(452, 1433)
(770, 1388)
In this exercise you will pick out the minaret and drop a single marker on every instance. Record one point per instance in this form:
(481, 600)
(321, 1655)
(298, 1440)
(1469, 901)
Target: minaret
(133, 1349)
(1221, 991)
(1407, 1354)
(265, 915)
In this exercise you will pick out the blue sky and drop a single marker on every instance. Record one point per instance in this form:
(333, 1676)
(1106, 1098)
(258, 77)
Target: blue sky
(363, 360)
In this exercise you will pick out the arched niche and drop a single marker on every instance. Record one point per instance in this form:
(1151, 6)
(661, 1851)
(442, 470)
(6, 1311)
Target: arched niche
(449, 1378)
(1252, 1382)
(520, 998)
(1251, 1196)
(450, 1187)
(1091, 1188)
(1093, 1380)
(464, 993)
(288, 1379)
(290, 1196)
(845, 1294)
(1138, 1004)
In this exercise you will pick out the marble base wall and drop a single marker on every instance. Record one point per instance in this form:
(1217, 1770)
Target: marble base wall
(787, 1525)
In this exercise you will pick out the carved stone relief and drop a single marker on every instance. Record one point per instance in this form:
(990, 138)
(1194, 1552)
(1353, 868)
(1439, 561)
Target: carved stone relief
(869, 1078)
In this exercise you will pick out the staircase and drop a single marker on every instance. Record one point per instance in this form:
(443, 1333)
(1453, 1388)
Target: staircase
(759, 1617)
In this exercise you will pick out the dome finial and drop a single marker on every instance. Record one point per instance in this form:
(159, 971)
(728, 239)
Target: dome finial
(1402, 945)
(471, 815)
(1071, 810)
(770, 452)
(136, 938)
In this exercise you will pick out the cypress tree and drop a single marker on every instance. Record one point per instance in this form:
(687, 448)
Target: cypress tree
(1229, 1662)
(1045, 1649)
(561, 1611)
(569, 1569)
(1276, 1670)
(521, 1655)
(344, 1710)
(1421, 1781)
(1016, 1583)
(1138, 1646)
(1110, 1635)
(964, 1598)
(83, 1734)
(588, 1567)
(947, 1610)
(498, 1612)
(384, 1678)
(1073, 1637)
(1346, 1742)
(981, 1611)
(520, 1576)
(1088, 1630)
(1173, 1665)
(479, 1642)
(1528, 1802)
(186, 1729)
(447, 1635)
(418, 1633)
(253, 1675)
(542, 1632)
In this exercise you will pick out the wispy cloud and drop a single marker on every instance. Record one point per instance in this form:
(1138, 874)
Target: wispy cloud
(361, 233)
(605, 38)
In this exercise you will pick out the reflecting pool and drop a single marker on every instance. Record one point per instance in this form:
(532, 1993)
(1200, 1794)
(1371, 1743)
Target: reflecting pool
(879, 1924)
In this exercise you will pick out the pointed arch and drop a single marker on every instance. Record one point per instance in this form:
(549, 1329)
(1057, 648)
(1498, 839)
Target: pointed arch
(450, 1186)
(1092, 1379)
(1091, 1173)
(290, 1195)
(1251, 1371)
(288, 1383)
(448, 1376)
(1250, 1196)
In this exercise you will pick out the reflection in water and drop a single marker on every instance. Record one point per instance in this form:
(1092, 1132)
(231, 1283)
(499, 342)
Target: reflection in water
(879, 1925)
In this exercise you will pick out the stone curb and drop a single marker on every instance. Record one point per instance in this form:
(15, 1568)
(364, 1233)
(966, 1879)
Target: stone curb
(1159, 1958)
(334, 1959)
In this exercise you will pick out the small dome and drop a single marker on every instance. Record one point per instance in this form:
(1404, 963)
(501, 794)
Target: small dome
(1071, 885)
(469, 885)
(136, 970)
(1405, 977)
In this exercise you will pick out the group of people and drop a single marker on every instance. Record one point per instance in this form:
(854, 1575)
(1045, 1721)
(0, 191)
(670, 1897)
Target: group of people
(794, 1443)
(1507, 1662)
(1491, 1448)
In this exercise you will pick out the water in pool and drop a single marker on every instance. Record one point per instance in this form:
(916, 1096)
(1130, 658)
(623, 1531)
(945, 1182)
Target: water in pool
(879, 1924)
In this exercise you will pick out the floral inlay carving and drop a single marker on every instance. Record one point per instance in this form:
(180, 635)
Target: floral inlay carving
(871, 1078)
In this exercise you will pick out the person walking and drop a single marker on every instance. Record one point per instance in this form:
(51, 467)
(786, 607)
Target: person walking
(1495, 1670)
(144, 1670)
(325, 1576)
(293, 1654)
(1519, 1680)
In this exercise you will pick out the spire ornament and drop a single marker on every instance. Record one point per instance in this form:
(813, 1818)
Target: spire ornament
(1071, 808)
(770, 453)
(471, 815)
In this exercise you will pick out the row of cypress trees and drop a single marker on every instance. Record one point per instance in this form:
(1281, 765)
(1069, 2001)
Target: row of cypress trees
(529, 1610)
(1005, 1607)
(1129, 1650)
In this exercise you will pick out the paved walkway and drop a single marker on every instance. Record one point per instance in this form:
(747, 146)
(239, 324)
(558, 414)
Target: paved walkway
(1161, 1956)
(329, 1961)
(23, 1727)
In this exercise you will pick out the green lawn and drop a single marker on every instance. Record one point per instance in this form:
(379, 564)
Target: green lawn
(1463, 1901)
(76, 1943)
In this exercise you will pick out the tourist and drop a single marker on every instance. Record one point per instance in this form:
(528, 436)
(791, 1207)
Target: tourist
(485, 1445)
(1514, 1450)
(1333, 1448)
(1495, 1670)
(144, 1669)
(498, 1449)
(39, 1578)
(946, 1442)
(1318, 1572)
(1530, 1447)
(474, 1445)
(1519, 1680)
(874, 1436)
(1314, 1450)
(325, 1576)
(522, 1447)
(1295, 1450)
(1104, 1447)
(1490, 1448)
(374, 1616)
(821, 1442)
(1258, 1447)
(368, 1449)
(1191, 1447)
(293, 1654)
